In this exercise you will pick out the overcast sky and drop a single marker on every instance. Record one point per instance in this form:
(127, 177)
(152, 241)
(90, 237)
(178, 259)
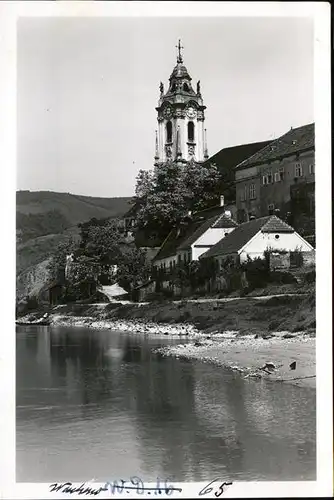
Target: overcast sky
(88, 88)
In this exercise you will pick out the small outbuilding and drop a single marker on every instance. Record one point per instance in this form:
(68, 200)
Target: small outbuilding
(114, 292)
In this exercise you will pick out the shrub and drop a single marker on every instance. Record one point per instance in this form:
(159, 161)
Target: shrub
(257, 272)
(282, 277)
(310, 276)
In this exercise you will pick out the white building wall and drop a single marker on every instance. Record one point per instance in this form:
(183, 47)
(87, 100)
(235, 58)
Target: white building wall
(209, 238)
(262, 241)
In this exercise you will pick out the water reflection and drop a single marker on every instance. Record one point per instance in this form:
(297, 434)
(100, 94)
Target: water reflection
(101, 404)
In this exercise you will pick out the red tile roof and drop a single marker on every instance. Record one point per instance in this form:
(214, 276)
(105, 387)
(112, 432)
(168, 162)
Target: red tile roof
(295, 141)
(238, 238)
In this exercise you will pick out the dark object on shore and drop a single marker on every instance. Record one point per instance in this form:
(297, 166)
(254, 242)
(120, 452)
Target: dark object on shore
(198, 344)
(268, 366)
(293, 365)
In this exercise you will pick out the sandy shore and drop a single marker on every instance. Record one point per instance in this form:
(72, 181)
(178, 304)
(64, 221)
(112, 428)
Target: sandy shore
(248, 355)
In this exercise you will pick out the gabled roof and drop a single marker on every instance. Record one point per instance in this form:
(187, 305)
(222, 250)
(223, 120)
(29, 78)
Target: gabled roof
(218, 222)
(224, 222)
(186, 234)
(132, 212)
(228, 158)
(296, 140)
(238, 238)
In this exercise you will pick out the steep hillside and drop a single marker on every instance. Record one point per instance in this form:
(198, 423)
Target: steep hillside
(35, 250)
(43, 220)
(74, 208)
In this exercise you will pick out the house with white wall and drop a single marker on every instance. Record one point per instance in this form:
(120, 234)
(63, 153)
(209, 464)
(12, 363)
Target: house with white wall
(253, 238)
(194, 237)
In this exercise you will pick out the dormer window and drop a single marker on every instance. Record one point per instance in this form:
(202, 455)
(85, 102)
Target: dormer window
(169, 132)
(191, 131)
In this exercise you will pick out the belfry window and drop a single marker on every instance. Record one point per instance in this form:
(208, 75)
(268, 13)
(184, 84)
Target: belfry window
(185, 87)
(169, 132)
(191, 132)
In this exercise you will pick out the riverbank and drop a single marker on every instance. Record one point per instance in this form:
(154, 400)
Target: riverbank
(280, 359)
(241, 333)
(249, 315)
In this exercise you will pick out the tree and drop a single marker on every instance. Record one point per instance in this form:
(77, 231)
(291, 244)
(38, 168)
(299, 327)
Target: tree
(133, 268)
(166, 194)
(102, 246)
(82, 280)
(103, 242)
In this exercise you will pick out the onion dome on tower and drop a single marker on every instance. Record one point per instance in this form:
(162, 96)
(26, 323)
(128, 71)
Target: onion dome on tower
(181, 135)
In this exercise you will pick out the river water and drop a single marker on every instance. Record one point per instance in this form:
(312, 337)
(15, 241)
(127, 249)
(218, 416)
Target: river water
(101, 405)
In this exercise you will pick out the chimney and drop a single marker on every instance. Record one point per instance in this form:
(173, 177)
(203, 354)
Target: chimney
(222, 200)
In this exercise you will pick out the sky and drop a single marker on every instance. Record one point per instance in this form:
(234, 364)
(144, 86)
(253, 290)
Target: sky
(87, 89)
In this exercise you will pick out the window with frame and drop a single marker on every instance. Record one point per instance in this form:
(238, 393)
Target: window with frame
(252, 192)
(243, 193)
(298, 170)
(311, 168)
(281, 173)
(277, 177)
(169, 132)
(191, 131)
(264, 180)
(270, 178)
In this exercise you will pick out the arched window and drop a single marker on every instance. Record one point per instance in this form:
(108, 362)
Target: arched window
(191, 131)
(173, 87)
(169, 132)
(185, 87)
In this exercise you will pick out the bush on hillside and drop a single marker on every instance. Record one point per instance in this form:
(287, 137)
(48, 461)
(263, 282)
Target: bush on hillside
(257, 272)
(310, 276)
(282, 277)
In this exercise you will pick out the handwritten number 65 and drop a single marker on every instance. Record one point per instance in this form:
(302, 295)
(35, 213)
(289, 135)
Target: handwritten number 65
(206, 490)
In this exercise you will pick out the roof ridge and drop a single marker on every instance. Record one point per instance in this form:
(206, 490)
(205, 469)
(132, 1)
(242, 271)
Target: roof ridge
(236, 146)
(205, 209)
(256, 153)
(277, 140)
(163, 243)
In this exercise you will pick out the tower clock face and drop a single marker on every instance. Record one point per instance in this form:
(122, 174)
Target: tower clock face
(168, 112)
(191, 112)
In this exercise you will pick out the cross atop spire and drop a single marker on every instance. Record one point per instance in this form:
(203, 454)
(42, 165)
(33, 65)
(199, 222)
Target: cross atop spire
(179, 56)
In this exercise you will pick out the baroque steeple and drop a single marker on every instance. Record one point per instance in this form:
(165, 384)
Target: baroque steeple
(180, 110)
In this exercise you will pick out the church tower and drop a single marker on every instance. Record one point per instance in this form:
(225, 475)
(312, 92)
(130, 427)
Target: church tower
(181, 135)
